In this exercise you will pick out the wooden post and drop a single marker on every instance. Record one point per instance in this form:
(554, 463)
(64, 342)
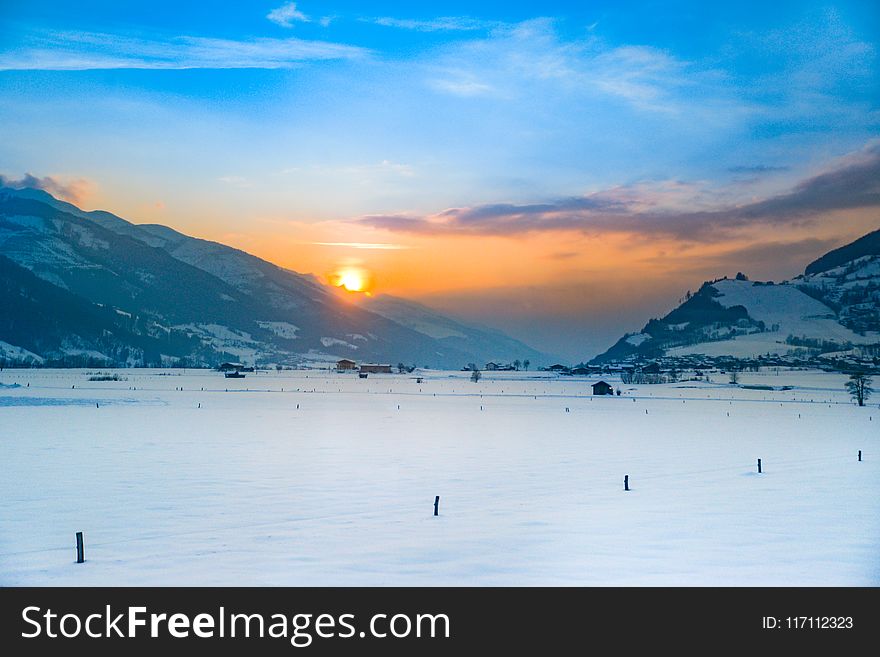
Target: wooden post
(625, 482)
(860, 456)
(80, 552)
(759, 466)
(436, 505)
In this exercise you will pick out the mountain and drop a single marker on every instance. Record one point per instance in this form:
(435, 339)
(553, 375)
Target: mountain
(868, 245)
(449, 332)
(149, 295)
(831, 309)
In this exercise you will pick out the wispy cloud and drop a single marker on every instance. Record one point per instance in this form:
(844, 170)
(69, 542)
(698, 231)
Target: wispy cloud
(71, 51)
(379, 246)
(513, 58)
(75, 190)
(235, 181)
(854, 182)
(757, 169)
(441, 24)
(286, 15)
(780, 255)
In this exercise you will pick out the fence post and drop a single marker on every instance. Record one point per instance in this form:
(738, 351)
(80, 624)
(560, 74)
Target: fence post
(625, 482)
(759, 466)
(436, 505)
(80, 551)
(860, 456)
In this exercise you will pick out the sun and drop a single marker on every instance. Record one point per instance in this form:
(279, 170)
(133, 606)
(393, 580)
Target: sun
(352, 279)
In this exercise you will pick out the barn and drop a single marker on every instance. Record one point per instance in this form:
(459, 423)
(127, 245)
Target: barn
(603, 388)
(345, 365)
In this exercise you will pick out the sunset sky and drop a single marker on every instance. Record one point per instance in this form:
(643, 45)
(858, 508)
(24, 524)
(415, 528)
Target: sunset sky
(562, 171)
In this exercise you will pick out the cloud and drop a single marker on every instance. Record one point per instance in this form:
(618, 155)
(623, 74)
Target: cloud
(79, 51)
(853, 182)
(522, 60)
(235, 181)
(441, 24)
(286, 15)
(378, 246)
(74, 191)
(757, 169)
(758, 257)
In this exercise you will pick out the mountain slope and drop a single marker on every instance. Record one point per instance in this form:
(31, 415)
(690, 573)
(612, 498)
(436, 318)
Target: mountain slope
(868, 245)
(222, 300)
(833, 307)
(54, 326)
(452, 333)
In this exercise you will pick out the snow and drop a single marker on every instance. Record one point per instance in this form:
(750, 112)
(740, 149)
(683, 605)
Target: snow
(281, 329)
(795, 312)
(88, 353)
(18, 354)
(329, 342)
(638, 339)
(251, 490)
(238, 343)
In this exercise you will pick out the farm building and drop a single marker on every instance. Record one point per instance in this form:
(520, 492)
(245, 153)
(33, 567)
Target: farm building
(373, 368)
(345, 365)
(602, 388)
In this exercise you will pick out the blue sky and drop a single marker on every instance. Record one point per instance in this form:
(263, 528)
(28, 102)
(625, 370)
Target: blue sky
(275, 125)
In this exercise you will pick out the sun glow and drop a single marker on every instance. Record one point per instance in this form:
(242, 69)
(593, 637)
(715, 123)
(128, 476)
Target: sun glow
(352, 279)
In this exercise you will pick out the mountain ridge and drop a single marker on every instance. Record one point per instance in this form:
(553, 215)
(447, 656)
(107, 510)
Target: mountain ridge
(830, 311)
(210, 300)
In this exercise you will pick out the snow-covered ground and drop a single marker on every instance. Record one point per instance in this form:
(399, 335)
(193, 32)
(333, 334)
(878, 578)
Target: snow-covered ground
(313, 478)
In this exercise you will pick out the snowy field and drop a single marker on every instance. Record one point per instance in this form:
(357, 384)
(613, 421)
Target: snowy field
(316, 478)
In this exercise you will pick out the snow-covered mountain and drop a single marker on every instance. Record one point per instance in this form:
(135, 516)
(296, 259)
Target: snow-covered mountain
(91, 287)
(833, 307)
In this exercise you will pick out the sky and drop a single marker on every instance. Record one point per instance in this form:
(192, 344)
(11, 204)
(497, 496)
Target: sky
(561, 171)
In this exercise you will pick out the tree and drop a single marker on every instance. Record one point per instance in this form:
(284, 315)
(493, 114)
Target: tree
(401, 368)
(516, 364)
(475, 376)
(859, 387)
(734, 376)
(526, 364)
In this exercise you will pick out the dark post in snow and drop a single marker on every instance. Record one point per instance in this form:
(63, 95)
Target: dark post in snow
(80, 552)
(625, 482)
(437, 505)
(759, 466)
(860, 456)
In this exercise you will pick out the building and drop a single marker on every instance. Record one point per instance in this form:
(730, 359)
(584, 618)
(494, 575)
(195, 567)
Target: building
(345, 365)
(374, 368)
(602, 388)
(231, 367)
(491, 367)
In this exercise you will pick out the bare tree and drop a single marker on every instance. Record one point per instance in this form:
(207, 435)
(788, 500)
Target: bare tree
(475, 376)
(859, 387)
(526, 364)
(734, 376)
(516, 364)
